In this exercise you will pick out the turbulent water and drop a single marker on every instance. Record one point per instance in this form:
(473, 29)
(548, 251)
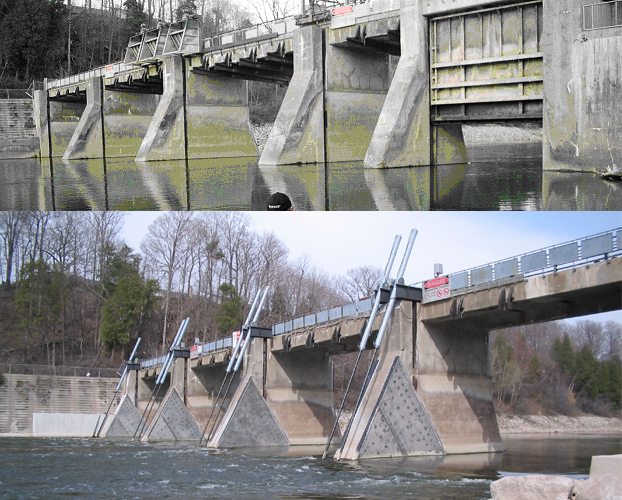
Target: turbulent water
(32, 468)
(497, 177)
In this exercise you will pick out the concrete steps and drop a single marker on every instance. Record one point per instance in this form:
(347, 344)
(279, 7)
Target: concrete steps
(16, 119)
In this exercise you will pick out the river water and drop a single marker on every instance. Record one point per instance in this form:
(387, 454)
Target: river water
(497, 177)
(38, 468)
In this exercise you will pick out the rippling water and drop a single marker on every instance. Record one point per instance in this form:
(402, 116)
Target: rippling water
(497, 177)
(35, 468)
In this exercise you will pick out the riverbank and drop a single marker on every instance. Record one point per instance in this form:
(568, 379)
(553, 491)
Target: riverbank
(539, 424)
(473, 134)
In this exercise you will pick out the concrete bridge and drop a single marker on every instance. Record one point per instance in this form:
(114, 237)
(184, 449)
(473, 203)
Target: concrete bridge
(385, 82)
(431, 388)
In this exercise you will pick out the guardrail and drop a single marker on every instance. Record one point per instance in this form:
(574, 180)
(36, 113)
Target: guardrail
(252, 33)
(107, 70)
(546, 260)
(57, 371)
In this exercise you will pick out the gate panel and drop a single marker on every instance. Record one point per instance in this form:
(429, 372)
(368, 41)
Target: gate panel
(487, 64)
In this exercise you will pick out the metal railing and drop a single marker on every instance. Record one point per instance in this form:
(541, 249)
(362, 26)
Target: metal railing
(276, 27)
(602, 15)
(547, 260)
(346, 311)
(57, 371)
(206, 348)
(107, 70)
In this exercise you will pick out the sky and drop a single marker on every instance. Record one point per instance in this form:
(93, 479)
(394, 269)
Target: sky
(338, 241)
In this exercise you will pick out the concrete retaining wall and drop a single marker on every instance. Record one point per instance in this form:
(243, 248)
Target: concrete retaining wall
(582, 91)
(64, 424)
(22, 396)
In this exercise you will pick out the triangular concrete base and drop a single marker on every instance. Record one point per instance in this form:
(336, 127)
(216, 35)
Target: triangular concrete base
(398, 425)
(125, 420)
(173, 421)
(249, 422)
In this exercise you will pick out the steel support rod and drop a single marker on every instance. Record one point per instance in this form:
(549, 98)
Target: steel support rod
(383, 326)
(97, 431)
(160, 379)
(233, 358)
(365, 336)
(247, 341)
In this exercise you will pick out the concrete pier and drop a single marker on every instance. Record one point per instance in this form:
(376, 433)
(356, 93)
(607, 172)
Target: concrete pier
(391, 420)
(402, 134)
(113, 123)
(357, 82)
(298, 131)
(249, 420)
(198, 117)
(55, 126)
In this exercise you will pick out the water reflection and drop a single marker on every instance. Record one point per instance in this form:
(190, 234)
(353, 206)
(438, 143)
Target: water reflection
(513, 180)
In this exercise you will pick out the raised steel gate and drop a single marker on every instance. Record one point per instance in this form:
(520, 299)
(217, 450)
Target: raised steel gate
(487, 64)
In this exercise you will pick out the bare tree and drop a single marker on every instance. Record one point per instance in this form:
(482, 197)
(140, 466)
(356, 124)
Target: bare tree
(163, 256)
(10, 229)
(360, 282)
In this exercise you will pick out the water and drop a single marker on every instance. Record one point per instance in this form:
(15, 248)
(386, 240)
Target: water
(497, 177)
(37, 468)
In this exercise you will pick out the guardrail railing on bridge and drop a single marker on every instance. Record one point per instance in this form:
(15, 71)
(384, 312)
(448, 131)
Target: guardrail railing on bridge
(252, 33)
(547, 260)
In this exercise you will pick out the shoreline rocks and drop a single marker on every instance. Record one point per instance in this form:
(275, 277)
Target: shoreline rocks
(540, 487)
(539, 424)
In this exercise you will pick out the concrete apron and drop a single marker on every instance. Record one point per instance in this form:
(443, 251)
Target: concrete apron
(125, 117)
(198, 117)
(63, 117)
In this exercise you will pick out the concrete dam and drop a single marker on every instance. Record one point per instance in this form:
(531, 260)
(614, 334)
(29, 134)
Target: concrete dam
(385, 82)
(429, 383)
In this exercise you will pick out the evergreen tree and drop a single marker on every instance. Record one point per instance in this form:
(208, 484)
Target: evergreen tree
(229, 313)
(135, 16)
(185, 8)
(129, 298)
(563, 354)
(586, 371)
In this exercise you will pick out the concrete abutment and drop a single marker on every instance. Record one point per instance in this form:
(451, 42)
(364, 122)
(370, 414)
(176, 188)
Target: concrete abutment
(55, 126)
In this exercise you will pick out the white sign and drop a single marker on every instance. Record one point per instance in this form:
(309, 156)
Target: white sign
(109, 71)
(234, 337)
(194, 352)
(436, 289)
